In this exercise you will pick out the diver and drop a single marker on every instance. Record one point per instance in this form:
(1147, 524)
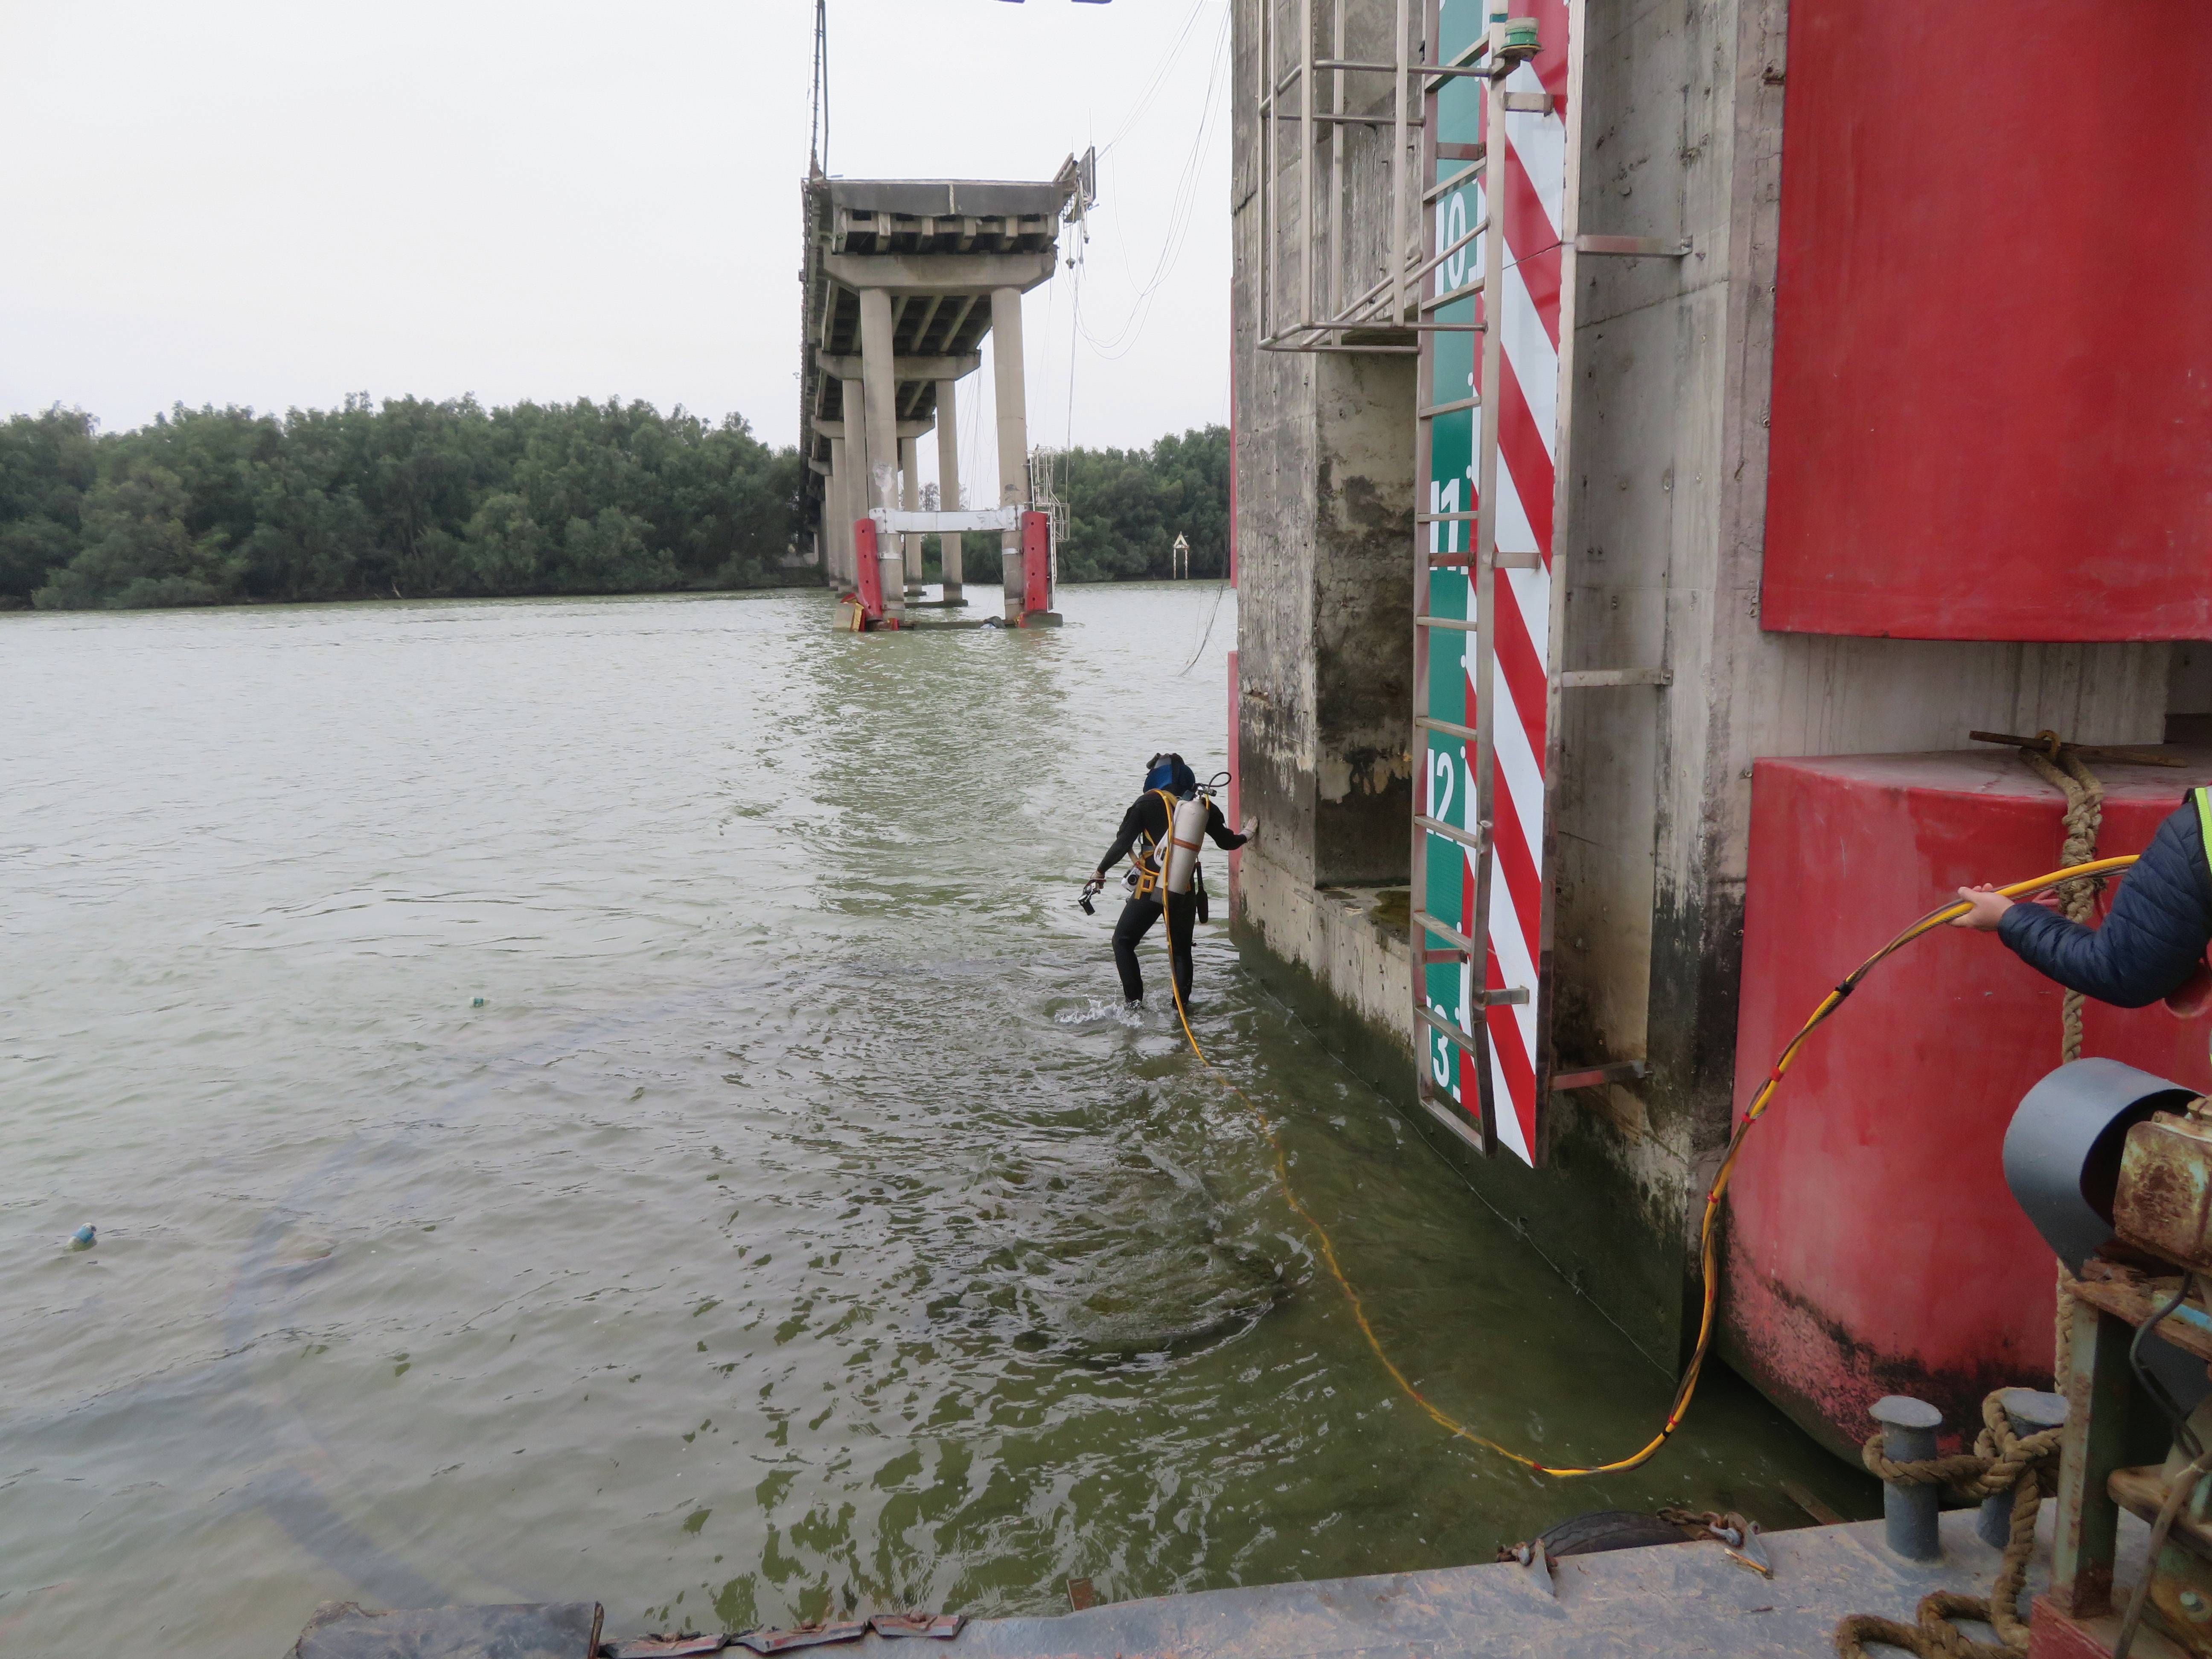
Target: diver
(2152, 946)
(1143, 838)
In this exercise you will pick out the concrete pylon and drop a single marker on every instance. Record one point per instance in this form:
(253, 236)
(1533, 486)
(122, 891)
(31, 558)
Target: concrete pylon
(836, 501)
(878, 375)
(911, 499)
(853, 468)
(1012, 398)
(948, 483)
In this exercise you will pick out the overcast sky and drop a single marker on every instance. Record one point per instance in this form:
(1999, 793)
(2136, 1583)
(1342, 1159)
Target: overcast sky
(277, 205)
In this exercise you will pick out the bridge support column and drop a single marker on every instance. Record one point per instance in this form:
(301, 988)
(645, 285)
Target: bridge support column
(948, 483)
(1009, 387)
(911, 499)
(837, 507)
(855, 465)
(880, 482)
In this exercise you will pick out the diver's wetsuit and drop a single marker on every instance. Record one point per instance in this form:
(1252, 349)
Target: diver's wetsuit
(1146, 820)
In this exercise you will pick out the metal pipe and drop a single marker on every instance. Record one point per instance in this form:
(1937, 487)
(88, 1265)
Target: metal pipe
(1472, 171)
(1908, 1512)
(1270, 225)
(1305, 157)
(1336, 269)
(1399, 168)
(1424, 544)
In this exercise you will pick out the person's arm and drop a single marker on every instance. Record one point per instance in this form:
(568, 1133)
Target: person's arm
(1132, 825)
(1218, 827)
(2149, 945)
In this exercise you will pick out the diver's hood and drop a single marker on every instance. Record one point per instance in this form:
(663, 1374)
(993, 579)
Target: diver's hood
(1170, 772)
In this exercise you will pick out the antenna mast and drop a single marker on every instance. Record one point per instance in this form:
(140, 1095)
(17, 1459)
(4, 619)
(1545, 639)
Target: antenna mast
(817, 138)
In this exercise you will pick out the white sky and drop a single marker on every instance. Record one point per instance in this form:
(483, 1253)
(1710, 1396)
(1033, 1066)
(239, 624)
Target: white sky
(275, 204)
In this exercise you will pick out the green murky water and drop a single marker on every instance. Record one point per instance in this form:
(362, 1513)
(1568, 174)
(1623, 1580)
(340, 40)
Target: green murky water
(798, 1224)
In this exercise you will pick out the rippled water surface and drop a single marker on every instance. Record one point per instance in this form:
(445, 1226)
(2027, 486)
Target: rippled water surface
(797, 1224)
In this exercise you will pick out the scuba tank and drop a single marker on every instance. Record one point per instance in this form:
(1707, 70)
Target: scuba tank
(1186, 829)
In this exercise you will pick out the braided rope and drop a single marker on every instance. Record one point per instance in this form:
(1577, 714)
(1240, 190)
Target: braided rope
(2077, 899)
(2066, 772)
(2001, 1461)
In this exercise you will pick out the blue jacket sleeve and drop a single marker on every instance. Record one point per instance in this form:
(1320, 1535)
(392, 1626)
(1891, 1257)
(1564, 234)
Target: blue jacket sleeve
(2161, 922)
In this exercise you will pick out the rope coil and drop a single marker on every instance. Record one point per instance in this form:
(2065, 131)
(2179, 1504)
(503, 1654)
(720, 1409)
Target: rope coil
(2002, 1461)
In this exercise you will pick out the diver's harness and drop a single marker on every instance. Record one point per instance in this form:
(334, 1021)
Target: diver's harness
(1149, 866)
(1149, 859)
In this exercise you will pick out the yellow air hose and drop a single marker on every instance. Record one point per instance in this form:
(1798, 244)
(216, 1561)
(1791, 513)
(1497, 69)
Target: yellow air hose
(1708, 1231)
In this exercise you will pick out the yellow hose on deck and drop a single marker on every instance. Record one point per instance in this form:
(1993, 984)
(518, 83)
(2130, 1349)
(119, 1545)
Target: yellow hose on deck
(1708, 1231)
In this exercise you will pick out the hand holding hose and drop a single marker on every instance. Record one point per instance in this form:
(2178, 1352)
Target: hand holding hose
(1986, 905)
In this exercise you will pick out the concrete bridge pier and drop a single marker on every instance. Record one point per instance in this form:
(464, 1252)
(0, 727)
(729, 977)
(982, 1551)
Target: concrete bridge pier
(840, 536)
(1008, 384)
(911, 499)
(948, 485)
(883, 449)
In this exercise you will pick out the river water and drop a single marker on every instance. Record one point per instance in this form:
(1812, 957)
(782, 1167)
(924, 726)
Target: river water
(796, 1223)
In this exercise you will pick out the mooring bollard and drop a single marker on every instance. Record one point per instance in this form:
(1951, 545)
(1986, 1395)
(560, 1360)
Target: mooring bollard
(2029, 1412)
(1908, 1512)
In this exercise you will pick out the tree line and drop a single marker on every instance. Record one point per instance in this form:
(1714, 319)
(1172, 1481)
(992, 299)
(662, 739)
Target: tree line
(1125, 507)
(217, 506)
(419, 498)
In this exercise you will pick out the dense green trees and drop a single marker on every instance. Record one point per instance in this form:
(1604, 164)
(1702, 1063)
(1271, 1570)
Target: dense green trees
(209, 505)
(1125, 507)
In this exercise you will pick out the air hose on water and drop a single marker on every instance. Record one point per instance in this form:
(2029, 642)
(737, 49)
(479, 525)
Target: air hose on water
(1708, 1229)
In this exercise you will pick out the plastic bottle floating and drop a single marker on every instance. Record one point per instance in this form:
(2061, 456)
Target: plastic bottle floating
(84, 1237)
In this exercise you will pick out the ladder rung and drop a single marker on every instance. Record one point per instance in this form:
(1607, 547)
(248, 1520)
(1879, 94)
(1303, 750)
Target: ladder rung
(1528, 103)
(1635, 248)
(1443, 254)
(1590, 1077)
(1437, 76)
(1439, 1023)
(1582, 677)
(1427, 723)
(1512, 994)
(1448, 831)
(1455, 623)
(1449, 1112)
(1465, 291)
(1446, 517)
(1452, 407)
(1422, 919)
(1504, 559)
(1437, 958)
(1453, 183)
